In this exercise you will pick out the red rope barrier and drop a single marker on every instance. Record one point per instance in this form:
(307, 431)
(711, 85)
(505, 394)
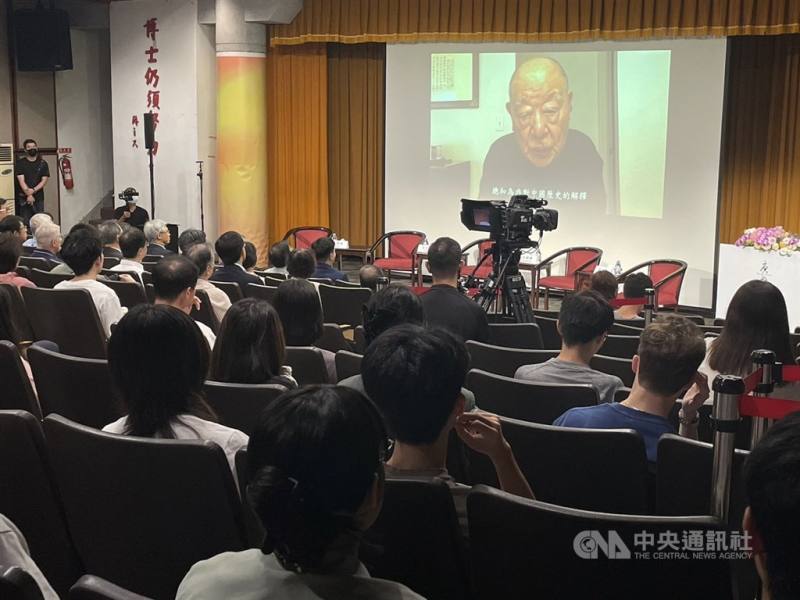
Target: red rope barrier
(769, 408)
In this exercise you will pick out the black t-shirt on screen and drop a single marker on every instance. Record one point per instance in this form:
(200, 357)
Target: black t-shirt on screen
(33, 170)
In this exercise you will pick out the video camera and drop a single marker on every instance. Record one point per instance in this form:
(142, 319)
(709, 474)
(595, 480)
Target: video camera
(511, 223)
(128, 194)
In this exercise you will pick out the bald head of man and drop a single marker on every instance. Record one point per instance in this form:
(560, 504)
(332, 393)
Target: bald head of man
(540, 105)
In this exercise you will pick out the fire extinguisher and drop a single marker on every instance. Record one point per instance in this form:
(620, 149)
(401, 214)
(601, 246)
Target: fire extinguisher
(65, 166)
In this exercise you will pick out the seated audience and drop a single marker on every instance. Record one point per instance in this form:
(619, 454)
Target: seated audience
(278, 258)
(110, 231)
(670, 350)
(164, 344)
(33, 225)
(605, 284)
(134, 249)
(773, 497)
(48, 242)
(583, 323)
(414, 376)
(230, 249)
(174, 282)
(83, 253)
(369, 276)
(445, 306)
(202, 255)
(756, 319)
(301, 265)
(158, 236)
(324, 250)
(315, 465)
(250, 258)
(634, 287)
(10, 251)
(14, 552)
(250, 346)
(190, 237)
(15, 225)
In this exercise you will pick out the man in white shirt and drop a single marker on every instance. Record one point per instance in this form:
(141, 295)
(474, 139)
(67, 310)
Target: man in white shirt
(202, 255)
(174, 280)
(83, 253)
(134, 248)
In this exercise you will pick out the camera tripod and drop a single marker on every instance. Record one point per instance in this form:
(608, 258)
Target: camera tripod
(505, 276)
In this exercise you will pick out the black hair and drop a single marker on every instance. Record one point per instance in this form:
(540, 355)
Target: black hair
(250, 346)
(414, 376)
(189, 238)
(29, 141)
(584, 317)
(393, 305)
(605, 284)
(12, 224)
(10, 251)
(298, 304)
(368, 276)
(444, 258)
(635, 284)
(8, 330)
(172, 275)
(302, 264)
(80, 226)
(279, 254)
(158, 360)
(312, 460)
(772, 487)
(202, 255)
(109, 232)
(81, 249)
(322, 248)
(229, 247)
(131, 242)
(250, 256)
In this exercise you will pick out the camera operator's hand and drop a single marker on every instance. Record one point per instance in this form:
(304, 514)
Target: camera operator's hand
(126, 215)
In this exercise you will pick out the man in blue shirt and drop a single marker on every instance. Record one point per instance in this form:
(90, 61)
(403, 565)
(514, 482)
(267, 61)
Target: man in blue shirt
(670, 351)
(325, 250)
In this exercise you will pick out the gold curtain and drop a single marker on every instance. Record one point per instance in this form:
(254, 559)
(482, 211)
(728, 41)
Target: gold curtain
(355, 140)
(391, 21)
(760, 170)
(297, 132)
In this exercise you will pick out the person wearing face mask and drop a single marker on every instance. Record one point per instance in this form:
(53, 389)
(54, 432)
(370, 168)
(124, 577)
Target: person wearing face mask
(32, 175)
(130, 213)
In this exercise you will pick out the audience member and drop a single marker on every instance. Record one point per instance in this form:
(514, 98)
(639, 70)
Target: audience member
(633, 287)
(110, 232)
(14, 552)
(15, 225)
(772, 488)
(164, 344)
(756, 320)
(134, 249)
(48, 242)
(324, 250)
(230, 249)
(584, 322)
(315, 465)
(670, 351)
(302, 264)
(33, 225)
(605, 284)
(158, 236)
(251, 347)
(445, 306)
(250, 257)
(63, 268)
(202, 255)
(10, 251)
(414, 376)
(278, 258)
(174, 282)
(369, 276)
(190, 237)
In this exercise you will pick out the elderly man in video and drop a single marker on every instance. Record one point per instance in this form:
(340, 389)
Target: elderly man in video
(543, 156)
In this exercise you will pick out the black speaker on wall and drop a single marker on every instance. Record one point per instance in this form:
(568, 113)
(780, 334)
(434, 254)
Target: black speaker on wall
(41, 40)
(149, 131)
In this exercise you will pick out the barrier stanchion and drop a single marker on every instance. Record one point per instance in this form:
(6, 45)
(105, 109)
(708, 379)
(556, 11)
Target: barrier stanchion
(727, 391)
(649, 306)
(765, 361)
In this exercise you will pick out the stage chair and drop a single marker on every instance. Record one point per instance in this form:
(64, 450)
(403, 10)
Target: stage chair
(401, 252)
(17, 584)
(348, 364)
(620, 346)
(332, 338)
(479, 271)
(34, 262)
(239, 405)
(302, 237)
(67, 318)
(525, 400)
(142, 511)
(581, 261)
(667, 275)
(621, 367)
(516, 335)
(504, 361)
(262, 292)
(46, 279)
(522, 549)
(129, 294)
(231, 288)
(18, 392)
(548, 326)
(308, 365)
(90, 587)
(110, 261)
(343, 306)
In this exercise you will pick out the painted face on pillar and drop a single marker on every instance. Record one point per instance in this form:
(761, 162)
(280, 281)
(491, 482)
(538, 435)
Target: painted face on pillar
(540, 105)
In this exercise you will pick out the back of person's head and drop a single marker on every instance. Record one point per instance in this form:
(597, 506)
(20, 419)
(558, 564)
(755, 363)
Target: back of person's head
(88, 227)
(756, 319)
(444, 258)
(300, 310)
(604, 283)
(229, 247)
(109, 232)
(414, 376)
(302, 264)
(190, 237)
(670, 352)
(8, 329)
(250, 346)
(250, 256)
(323, 248)
(772, 487)
(173, 275)
(152, 229)
(10, 251)
(131, 242)
(46, 234)
(369, 276)
(11, 224)
(158, 360)
(39, 219)
(584, 317)
(81, 249)
(315, 464)
(393, 305)
(635, 285)
(279, 254)
(202, 255)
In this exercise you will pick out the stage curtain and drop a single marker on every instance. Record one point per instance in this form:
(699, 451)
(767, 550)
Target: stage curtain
(297, 130)
(392, 21)
(760, 170)
(355, 140)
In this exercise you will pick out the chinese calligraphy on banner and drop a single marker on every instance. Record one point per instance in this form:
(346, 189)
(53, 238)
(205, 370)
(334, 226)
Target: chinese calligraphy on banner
(151, 80)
